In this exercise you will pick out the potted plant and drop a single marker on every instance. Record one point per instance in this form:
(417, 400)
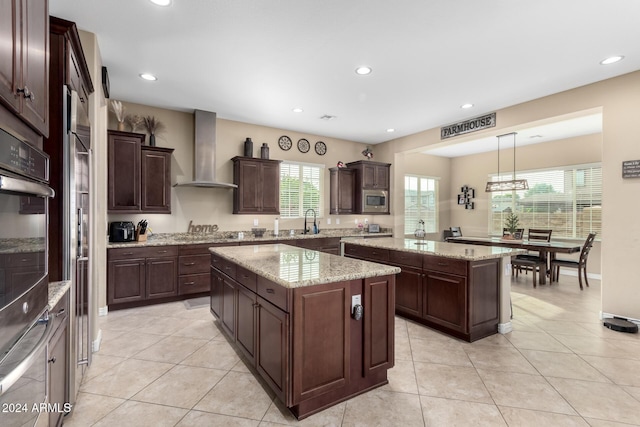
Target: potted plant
(153, 126)
(511, 224)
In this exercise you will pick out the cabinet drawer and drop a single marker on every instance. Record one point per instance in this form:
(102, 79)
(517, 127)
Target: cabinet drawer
(61, 310)
(224, 265)
(247, 278)
(445, 265)
(194, 264)
(274, 293)
(201, 248)
(406, 258)
(25, 259)
(373, 254)
(194, 284)
(145, 252)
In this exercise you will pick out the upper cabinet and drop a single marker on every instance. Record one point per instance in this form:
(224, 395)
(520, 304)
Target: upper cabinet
(139, 176)
(24, 60)
(258, 182)
(342, 191)
(371, 175)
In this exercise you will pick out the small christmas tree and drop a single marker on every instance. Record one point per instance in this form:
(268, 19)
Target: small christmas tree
(511, 223)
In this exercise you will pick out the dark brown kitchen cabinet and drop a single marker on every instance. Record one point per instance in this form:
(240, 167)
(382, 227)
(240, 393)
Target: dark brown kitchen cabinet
(330, 245)
(272, 346)
(371, 175)
(342, 191)
(258, 182)
(138, 275)
(58, 360)
(139, 176)
(445, 300)
(24, 60)
(246, 302)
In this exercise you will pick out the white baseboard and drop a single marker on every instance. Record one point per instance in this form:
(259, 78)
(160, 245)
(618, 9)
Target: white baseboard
(103, 311)
(95, 345)
(505, 328)
(573, 272)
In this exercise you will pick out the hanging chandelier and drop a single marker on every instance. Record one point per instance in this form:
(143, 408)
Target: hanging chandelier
(513, 184)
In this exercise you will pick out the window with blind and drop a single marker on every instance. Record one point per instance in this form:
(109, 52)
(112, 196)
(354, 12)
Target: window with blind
(300, 189)
(420, 203)
(566, 200)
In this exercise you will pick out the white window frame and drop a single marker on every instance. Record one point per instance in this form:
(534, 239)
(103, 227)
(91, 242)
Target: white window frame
(431, 224)
(319, 208)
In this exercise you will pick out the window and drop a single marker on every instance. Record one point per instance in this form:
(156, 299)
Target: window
(300, 189)
(565, 200)
(420, 203)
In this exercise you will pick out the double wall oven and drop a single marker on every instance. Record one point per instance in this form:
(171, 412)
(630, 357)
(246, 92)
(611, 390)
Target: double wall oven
(24, 320)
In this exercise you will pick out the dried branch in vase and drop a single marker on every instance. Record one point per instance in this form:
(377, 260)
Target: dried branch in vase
(118, 109)
(134, 122)
(153, 125)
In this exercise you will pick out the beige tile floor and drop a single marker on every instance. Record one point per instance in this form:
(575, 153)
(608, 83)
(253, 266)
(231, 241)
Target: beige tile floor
(165, 365)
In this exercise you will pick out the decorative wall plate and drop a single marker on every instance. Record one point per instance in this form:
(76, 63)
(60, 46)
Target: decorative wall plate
(285, 142)
(321, 148)
(303, 145)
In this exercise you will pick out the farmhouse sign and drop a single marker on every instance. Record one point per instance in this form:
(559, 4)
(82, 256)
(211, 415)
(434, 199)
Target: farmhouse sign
(471, 125)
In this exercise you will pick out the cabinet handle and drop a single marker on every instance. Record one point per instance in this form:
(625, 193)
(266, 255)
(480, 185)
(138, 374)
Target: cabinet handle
(226, 267)
(189, 283)
(127, 253)
(244, 276)
(52, 360)
(424, 275)
(443, 264)
(26, 93)
(24, 260)
(189, 263)
(162, 252)
(270, 291)
(59, 313)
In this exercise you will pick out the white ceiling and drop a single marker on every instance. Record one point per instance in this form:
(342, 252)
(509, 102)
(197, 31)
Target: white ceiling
(254, 60)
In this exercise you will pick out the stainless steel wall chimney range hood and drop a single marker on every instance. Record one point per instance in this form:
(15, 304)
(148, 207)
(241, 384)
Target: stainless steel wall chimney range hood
(204, 153)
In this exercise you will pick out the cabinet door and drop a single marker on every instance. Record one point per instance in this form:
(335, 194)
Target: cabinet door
(270, 188)
(58, 374)
(379, 330)
(321, 340)
(9, 52)
(342, 193)
(246, 326)
(445, 300)
(155, 181)
(247, 198)
(216, 293)
(228, 315)
(126, 281)
(272, 348)
(162, 277)
(409, 285)
(124, 171)
(35, 64)
(381, 177)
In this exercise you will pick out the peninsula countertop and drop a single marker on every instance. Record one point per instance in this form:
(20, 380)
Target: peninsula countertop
(166, 239)
(431, 247)
(294, 267)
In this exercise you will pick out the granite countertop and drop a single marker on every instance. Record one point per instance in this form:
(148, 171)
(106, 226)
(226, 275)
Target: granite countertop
(443, 249)
(294, 267)
(56, 292)
(165, 239)
(21, 245)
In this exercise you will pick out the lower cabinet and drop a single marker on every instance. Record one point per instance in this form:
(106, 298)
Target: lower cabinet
(303, 342)
(58, 361)
(455, 296)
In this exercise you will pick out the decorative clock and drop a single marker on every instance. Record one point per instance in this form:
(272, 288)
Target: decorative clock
(285, 142)
(321, 148)
(303, 145)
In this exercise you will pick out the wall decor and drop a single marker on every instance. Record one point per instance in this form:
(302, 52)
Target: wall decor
(303, 145)
(284, 142)
(466, 197)
(631, 169)
(321, 148)
(471, 125)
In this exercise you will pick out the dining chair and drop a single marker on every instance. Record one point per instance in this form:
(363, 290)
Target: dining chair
(518, 230)
(534, 261)
(456, 231)
(580, 264)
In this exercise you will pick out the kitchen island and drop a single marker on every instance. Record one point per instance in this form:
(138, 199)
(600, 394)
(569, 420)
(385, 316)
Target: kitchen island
(458, 289)
(318, 328)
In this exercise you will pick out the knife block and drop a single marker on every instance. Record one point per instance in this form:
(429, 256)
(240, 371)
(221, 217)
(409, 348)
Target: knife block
(140, 237)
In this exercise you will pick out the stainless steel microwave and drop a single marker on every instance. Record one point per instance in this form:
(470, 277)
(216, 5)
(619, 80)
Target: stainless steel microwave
(375, 201)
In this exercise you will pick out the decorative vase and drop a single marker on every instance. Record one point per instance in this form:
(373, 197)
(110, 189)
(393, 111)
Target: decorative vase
(248, 148)
(152, 140)
(264, 151)
(121, 126)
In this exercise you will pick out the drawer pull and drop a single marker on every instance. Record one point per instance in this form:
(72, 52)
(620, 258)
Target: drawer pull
(374, 253)
(52, 360)
(127, 253)
(60, 312)
(226, 267)
(270, 291)
(443, 264)
(189, 263)
(189, 283)
(162, 252)
(244, 276)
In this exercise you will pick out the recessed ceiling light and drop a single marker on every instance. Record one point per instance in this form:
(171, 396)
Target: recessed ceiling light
(363, 71)
(327, 117)
(391, 130)
(465, 106)
(161, 2)
(148, 76)
(612, 60)
(297, 110)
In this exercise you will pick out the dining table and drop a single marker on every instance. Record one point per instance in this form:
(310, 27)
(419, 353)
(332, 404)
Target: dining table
(547, 250)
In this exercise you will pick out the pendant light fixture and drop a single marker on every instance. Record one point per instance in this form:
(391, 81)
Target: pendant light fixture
(513, 184)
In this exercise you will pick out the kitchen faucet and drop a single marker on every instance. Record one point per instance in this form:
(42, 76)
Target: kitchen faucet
(315, 225)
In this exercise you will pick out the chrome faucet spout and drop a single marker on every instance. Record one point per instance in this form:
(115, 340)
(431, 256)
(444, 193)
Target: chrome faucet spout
(305, 230)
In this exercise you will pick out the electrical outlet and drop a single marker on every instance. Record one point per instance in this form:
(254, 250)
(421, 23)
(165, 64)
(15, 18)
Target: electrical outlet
(328, 221)
(355, 300)
(337, 221)
(255, 222)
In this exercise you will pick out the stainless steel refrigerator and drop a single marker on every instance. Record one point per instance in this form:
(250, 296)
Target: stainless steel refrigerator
(76, 250)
